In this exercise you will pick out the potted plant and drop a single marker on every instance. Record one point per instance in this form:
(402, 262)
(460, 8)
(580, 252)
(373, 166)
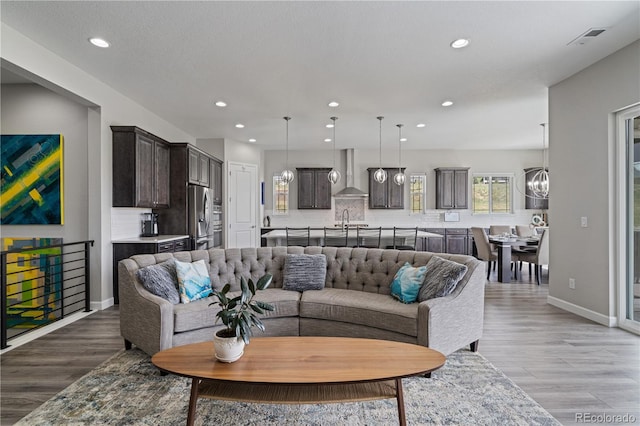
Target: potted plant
(239, 315)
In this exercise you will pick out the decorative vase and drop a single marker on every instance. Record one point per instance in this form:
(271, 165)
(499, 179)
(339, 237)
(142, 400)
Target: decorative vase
(228, 349)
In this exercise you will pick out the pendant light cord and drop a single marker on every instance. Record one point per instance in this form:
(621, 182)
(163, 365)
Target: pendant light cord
(287, 136)
(380, 149)
(399, 148)
(334, 141)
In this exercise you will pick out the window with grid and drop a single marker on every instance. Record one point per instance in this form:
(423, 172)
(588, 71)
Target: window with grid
(417, 193)
(280, 196)
(492, 193)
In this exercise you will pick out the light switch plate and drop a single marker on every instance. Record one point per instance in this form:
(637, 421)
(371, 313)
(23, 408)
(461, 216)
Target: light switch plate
(583, 222)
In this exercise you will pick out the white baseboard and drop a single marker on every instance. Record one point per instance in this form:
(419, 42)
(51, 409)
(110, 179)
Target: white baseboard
(39, 332)
(583, 312)
(101, 305)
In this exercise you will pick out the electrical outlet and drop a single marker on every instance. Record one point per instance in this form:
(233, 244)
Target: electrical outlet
(572, 283)
(583, 222)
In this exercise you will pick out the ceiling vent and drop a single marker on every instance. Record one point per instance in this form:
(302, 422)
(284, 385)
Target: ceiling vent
(586, 37)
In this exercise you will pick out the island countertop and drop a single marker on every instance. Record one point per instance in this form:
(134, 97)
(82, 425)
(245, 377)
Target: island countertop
(278, 237)
(152, 240)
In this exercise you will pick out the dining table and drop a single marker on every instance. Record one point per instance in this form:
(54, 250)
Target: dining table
(504, 245)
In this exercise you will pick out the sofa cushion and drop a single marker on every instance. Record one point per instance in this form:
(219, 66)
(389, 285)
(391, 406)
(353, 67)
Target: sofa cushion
(407, 282)
(359, 307)
(161, 280)
(304, 272)
(441, 279)
(193, 280)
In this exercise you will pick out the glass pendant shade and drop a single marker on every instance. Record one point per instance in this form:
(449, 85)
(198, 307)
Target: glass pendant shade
(287, 175)
(380, 175)
(334, 175)
(399, 178)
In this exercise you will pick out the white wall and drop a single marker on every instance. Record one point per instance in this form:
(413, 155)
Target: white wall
(32, 109)
(415, 161)
(581, 160)
(105, 107)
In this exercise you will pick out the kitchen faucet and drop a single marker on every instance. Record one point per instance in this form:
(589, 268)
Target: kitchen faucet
(342, 222)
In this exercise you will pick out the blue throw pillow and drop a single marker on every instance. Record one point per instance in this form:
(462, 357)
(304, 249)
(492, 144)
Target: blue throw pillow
(193, 280)
(407, 282)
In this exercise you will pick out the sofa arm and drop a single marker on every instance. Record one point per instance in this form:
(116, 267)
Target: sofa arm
(449, 323)
(146, 320)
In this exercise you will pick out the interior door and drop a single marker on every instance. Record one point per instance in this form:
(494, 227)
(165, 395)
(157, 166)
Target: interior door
(243, 205)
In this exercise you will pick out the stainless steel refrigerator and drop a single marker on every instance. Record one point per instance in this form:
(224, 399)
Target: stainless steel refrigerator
(204, 218)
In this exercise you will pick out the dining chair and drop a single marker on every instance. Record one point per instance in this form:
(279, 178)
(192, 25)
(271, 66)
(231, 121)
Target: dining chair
(525, 231)
(539, 257)
(499, 229)
(481, 240)
(298, 236)
(335, 237)
(368, 237)
(404, 238)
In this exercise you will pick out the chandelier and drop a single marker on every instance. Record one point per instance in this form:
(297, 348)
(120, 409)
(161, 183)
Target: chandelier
(380, 175)
(399, 177)
(287, 175)
(539, 183)
(334, 175)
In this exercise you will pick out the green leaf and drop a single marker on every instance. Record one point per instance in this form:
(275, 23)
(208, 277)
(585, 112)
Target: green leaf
(256, 308)
(264, 281)
(252, 286)
(265, 306)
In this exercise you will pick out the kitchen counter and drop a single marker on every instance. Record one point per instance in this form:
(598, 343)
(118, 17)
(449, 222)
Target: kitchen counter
(278, 237)
(150, 240)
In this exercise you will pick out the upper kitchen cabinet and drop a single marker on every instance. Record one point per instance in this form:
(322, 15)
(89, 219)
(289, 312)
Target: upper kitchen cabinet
(198, 167)
(314, 188)
(452, 188)
(530, 200)
(215, 177)
(141, 167)
(386, 195)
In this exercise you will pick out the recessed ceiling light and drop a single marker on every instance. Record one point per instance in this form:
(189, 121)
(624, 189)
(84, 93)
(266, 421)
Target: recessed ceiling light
(252, 140)
(96, 41)
(460, 43)
(403, 139)
(420, 125)
(333, 104)
(221, 104)
(327, 140)
(329, 126)
(447, 103)
(240, 126)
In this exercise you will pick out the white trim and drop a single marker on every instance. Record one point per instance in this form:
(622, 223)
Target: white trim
(32, 335)
(583, 312)
(102, 305)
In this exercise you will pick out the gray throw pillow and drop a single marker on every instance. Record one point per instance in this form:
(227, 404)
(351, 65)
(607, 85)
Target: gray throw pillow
(441, 279)
(304, 272)
(161, 279)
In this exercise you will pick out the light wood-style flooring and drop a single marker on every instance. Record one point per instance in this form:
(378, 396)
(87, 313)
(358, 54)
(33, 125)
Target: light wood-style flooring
(568, 364)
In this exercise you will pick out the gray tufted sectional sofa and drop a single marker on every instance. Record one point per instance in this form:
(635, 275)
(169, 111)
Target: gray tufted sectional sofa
(355, 302)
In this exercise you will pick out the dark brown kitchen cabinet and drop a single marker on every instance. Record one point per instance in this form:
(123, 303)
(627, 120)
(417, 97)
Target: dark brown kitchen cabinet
(452, 188)
(434, 244)
(530, 200)
(456, 241)
(198, 168)
(141, 168)
(215, 176)
(314, 188)
(386, 195)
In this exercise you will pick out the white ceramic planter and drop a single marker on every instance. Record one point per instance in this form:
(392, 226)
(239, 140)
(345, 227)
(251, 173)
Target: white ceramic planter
(228, 349)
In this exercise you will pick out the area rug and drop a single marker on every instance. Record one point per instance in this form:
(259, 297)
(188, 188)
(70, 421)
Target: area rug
(128, 390)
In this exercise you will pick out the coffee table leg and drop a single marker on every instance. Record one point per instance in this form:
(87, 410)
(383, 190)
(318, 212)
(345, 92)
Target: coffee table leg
(401, 414)
(191, 416)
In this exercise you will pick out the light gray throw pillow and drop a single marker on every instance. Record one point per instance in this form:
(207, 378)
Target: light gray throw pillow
(304, 272)
(162, 280)
(441, 279)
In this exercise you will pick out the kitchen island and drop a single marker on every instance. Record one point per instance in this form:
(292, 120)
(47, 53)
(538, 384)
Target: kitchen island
(278, 237)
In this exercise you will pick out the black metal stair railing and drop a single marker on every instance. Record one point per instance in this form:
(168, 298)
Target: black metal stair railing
(41, 285)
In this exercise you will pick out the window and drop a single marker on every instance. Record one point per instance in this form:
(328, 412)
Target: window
(417, 193)
(280, 196)
(492, 193)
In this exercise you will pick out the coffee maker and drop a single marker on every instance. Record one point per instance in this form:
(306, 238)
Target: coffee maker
(149, 225)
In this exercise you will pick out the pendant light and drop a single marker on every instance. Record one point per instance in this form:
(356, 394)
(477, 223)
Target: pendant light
(380, 175)
(287, 175)
(334, 175)
(539, 183)
(399, 177)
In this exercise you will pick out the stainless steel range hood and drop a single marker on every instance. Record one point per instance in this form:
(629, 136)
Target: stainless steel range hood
(350, 191)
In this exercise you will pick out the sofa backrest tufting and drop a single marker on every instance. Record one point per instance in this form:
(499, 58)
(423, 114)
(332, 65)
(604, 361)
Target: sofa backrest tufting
(362, 269)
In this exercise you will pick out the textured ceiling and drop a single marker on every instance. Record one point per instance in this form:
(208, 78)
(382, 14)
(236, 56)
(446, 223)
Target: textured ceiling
(271, 59)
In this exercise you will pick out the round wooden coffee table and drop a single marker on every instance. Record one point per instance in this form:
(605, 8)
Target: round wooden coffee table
(301, 370)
